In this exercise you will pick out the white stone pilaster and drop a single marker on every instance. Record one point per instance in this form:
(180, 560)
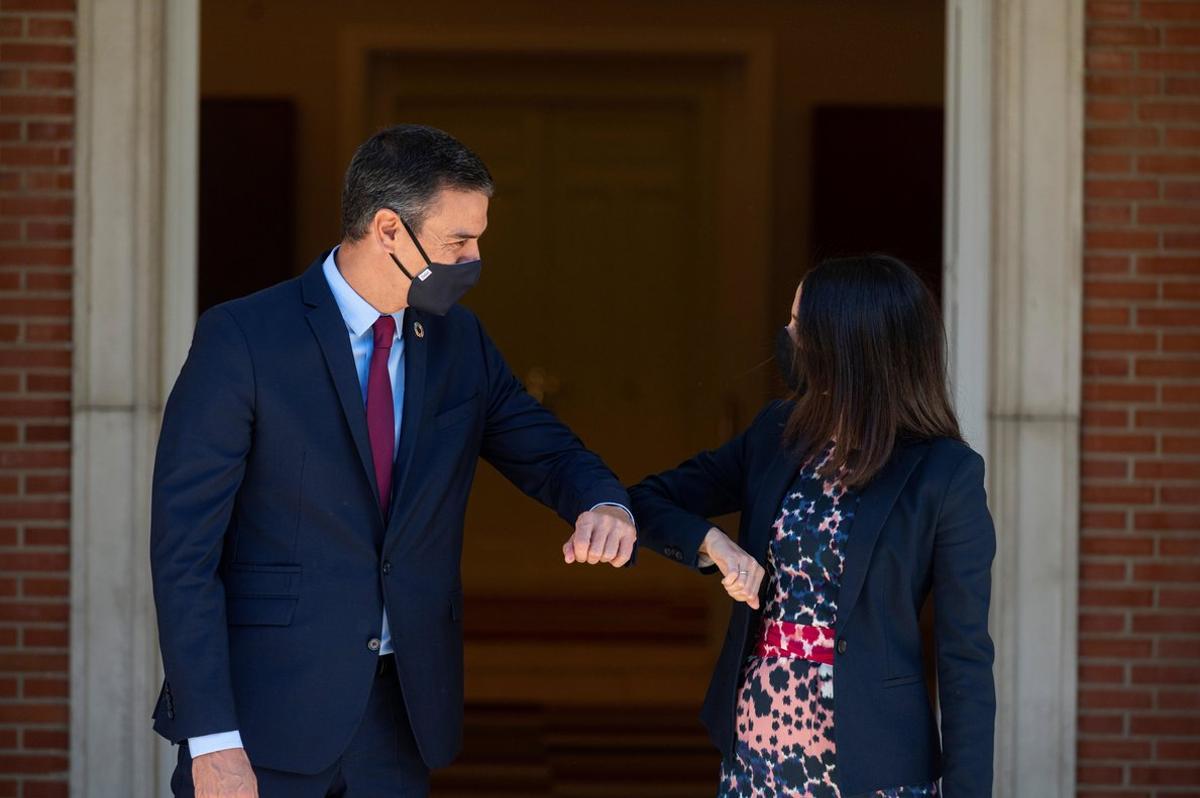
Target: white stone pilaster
(1036, 365)
(134, 303)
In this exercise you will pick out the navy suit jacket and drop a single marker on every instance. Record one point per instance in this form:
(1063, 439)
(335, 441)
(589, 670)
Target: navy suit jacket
(271, 559)
(922, 524)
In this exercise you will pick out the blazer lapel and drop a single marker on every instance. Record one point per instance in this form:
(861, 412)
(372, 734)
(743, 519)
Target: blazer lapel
(874, 505)
(329, 327)
(780, 476)
(416, 356)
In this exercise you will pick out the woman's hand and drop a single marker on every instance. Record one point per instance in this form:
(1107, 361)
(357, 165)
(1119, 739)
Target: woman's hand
(742, 574)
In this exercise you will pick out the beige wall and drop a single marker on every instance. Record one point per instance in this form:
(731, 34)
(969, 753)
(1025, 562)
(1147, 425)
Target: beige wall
(869, 51)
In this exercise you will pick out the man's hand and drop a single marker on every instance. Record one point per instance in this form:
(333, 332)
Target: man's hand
(224, 774)
(743, 575)
(601, 535)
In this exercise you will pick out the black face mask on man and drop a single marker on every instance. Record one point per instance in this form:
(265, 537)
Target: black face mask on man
(785, 361)
(439, 285)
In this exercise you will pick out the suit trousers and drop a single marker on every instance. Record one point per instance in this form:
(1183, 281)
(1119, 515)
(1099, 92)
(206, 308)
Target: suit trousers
(382, 760)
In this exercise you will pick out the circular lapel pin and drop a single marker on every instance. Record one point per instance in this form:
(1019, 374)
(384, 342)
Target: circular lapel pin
(419, 329)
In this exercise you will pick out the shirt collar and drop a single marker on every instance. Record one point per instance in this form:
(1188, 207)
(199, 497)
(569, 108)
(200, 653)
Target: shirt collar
(360, 315)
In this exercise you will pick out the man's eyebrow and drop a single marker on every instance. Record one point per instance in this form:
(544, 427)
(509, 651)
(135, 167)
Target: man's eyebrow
(463, 234)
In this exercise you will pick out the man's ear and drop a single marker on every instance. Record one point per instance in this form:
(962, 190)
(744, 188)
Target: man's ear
(387, 228)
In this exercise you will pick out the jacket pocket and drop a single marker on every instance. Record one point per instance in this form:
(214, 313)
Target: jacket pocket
(261, 579)
(899, 681)
(260, 594)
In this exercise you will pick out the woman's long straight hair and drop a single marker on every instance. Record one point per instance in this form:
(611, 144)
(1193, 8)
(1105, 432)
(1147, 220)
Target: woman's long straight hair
(871, 355)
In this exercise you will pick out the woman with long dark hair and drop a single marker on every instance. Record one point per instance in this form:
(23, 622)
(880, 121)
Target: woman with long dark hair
(858, 497)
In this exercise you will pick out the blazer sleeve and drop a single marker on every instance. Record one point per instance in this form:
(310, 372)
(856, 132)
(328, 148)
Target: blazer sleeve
(964, 545)
(673, 507)
(535, 451)
(201, 458)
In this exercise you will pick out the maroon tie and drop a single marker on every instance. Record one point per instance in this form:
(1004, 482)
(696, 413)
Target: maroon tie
(381, 411)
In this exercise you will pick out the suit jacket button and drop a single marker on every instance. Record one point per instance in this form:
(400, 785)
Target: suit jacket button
(387, 567)
(373, 644)
(841, 646)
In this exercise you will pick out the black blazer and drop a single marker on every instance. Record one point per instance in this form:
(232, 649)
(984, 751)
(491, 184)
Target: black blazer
(922, 524)
(271, 560)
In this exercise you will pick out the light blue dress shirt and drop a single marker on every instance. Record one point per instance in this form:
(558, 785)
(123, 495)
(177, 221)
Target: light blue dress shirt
(360, 316)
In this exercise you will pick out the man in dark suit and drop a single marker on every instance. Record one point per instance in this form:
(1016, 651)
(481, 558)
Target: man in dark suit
(310, 486)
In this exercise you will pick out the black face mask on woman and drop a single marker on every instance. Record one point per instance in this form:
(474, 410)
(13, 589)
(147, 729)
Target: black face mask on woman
(440, 285)
(785, 361)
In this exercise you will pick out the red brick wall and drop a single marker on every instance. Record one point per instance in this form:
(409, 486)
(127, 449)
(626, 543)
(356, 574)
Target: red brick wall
(37, 77)
(1139, 619)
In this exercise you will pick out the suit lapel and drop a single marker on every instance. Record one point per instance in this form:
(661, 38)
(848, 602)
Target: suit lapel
(329, 327)
(874, 505)
(416, 356)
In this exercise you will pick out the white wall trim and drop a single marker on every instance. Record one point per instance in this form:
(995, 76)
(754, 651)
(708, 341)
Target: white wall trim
(967, 213)
(134, 301)
(181, 184)
(1015, 290)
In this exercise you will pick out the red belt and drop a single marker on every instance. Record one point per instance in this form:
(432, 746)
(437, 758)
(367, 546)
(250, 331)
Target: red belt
(796, 640)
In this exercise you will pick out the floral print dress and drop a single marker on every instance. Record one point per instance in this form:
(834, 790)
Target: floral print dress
(785, 708)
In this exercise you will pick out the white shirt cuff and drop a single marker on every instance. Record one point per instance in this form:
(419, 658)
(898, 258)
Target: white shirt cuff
(211, 743)
(621, 506)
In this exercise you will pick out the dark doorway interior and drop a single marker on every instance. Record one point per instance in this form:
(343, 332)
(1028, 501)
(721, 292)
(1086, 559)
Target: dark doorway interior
(247, 197)
(877, 185)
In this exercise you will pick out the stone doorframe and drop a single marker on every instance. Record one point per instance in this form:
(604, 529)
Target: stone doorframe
(134, 309)
(1014, 281)
(1013, 287)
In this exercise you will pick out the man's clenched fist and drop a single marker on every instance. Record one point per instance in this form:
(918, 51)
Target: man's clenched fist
(224, 774)
(601, 535)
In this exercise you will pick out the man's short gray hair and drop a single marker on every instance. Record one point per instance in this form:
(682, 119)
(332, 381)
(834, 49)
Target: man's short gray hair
(402, 168)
